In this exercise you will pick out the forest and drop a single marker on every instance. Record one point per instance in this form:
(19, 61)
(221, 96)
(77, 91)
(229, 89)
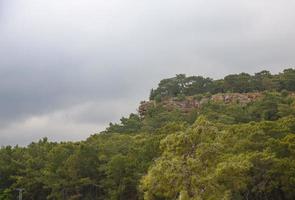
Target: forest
(215, 150)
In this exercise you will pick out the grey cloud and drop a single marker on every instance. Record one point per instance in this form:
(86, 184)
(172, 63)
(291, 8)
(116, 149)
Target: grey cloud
(94, 59)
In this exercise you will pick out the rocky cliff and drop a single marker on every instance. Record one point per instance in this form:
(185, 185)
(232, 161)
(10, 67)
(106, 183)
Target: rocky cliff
(190, 102)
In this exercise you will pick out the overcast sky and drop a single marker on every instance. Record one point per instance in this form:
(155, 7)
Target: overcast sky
(69, 67)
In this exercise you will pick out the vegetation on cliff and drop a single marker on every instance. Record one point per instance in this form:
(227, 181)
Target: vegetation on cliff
(195, 139)
(241, 83)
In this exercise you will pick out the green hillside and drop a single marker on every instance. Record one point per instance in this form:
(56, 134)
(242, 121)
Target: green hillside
(195, 139)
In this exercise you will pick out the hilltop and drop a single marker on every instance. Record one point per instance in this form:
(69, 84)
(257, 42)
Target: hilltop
(195, 138)
(181, 85)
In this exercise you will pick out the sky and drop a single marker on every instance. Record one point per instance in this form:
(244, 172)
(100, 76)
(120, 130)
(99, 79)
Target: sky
(69, 67)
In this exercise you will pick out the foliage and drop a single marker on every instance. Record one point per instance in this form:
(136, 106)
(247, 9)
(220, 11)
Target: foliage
(207, 161)
(220, 150)
(240, 83)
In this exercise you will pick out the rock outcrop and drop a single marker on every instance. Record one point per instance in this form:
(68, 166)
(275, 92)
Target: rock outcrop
(189, 103)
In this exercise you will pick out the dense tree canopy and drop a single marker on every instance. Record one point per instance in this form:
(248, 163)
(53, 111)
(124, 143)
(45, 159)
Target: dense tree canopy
(207, 161)
(219, 150)
(243, 82)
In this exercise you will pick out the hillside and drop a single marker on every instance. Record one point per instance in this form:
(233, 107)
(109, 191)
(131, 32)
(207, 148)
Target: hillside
(195, 139)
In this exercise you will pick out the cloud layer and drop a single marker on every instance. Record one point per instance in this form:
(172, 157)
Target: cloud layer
(68, 68)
